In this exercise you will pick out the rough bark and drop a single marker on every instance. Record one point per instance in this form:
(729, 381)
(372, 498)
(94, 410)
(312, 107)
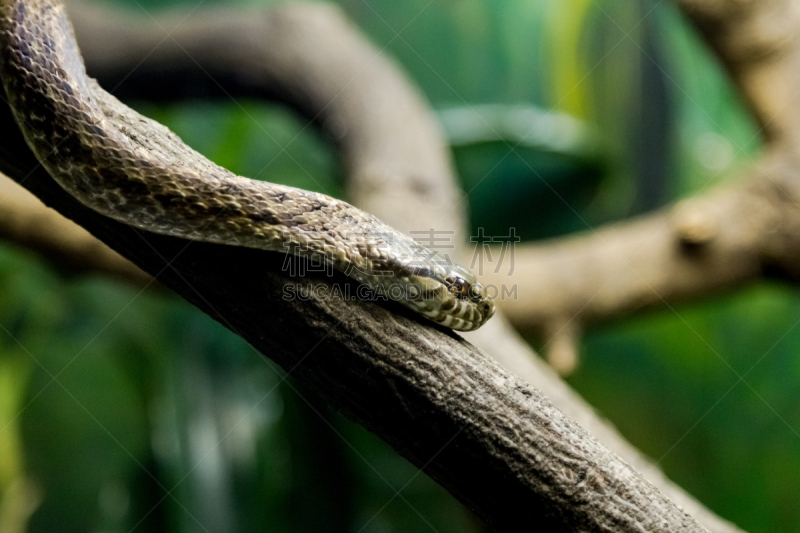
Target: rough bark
(490, 438)
(396, 162)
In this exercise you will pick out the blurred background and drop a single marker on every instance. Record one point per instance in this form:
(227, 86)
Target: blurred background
(124, 410)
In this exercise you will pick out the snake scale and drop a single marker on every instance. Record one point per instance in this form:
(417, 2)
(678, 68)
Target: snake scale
(136, 171)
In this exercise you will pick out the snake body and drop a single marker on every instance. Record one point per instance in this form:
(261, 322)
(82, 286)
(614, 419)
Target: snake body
(136, 171)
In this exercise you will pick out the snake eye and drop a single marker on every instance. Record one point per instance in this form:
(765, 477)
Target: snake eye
(461, 288)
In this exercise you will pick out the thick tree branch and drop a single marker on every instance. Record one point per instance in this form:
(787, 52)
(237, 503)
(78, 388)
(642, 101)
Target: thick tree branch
(493, 440)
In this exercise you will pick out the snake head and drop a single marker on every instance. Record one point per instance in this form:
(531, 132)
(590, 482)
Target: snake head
(450, 295)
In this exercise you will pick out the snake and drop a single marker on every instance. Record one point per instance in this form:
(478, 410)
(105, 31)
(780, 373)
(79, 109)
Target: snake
(136, 171)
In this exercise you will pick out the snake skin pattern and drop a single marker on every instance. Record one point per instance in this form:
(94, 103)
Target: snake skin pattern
(136, 171)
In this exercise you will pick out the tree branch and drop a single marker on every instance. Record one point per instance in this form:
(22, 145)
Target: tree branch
(758, 43)
(701, 246)
(24, 219)
(494, 441)
(710, 243)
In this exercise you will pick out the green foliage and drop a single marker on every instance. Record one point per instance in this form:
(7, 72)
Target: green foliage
(123, 410)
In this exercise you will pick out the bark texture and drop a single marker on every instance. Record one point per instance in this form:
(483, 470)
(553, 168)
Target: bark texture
(490, 438)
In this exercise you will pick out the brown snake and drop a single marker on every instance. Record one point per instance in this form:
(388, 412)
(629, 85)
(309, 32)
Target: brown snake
(136, 171)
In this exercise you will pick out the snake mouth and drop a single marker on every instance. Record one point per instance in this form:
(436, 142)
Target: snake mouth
(463, 316)
(453, 306)
(449, 295)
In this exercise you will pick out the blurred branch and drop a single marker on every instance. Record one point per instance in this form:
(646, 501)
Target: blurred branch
(710, 243)
(758, 43)
(390, 147)
(25, 220)
(307, 55)
(701, 246)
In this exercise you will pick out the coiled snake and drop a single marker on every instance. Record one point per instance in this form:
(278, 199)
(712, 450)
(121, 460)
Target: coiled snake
(136, 171)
